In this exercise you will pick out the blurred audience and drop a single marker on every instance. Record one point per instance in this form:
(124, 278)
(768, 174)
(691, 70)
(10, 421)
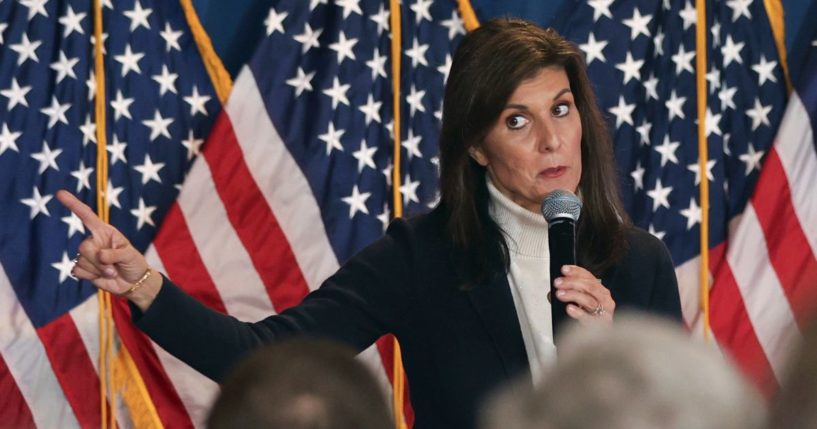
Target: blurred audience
(301, 384)
(638, 373)
(795, 405)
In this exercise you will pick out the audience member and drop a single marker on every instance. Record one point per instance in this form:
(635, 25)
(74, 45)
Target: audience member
(795, 405)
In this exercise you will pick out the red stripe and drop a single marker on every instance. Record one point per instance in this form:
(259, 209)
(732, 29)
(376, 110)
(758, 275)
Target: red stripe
(789, 250)
(732, 327)
(385, 345)
(182, 261)
(14, 413)
(160, 389)
(252, 218)
(72, 366)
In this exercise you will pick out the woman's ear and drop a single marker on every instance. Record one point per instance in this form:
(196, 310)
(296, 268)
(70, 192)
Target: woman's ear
(478, 155)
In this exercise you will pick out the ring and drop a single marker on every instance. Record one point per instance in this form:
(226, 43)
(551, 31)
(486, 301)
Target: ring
(599, 310)
(74, 267)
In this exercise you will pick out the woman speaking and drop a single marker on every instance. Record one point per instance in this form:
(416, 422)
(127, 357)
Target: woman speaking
(464, 288)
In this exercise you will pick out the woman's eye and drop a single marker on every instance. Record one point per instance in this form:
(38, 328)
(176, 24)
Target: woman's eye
(561, 110)
(516, 121)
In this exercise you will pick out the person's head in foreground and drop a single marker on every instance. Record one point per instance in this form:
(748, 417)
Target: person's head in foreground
(301, 384)
(639, 373)
(795, 405)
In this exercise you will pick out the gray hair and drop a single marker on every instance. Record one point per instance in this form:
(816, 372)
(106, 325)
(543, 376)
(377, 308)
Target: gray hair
(641, 372)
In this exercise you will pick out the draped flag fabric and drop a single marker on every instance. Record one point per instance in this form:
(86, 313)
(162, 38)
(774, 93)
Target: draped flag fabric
(641, 57)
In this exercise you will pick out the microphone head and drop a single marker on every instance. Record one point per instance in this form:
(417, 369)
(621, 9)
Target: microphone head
(561, 204)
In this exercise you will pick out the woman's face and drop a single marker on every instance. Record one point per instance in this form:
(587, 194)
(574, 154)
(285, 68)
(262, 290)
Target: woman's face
(535, 145)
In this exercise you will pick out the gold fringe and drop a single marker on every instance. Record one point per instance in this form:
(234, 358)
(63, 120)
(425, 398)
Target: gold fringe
(221, 79)
(468, 15)
(703, 156)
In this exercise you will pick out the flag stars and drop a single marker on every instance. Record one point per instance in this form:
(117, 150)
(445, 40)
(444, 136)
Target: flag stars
(716, 34)
(752, 159)
(129, 61)
(171, 38)
(651, 87)
(303, 82)
(47, 158)
(765, 70)
(64, 67)
(417, 53)
(35, 7)
(638, 24)
(26, 49)
(192, 144)
(16, 94)
(117, 151)
(112, 194)
(714, 79)
(371, 109)
(143, 214)
(365, 156)
(600, 8)
(739, 8)
(344, 47)
(659, 195)
(683, 61)
(415, 100)
(8, 139)
(381, 18)
(377, 64)
(166, 81)
(121, 106)
(623, 112)
(644, 131)
(593, 49)
(409, 191)
(658, 42)
(56, 112)
(332, 139)
(384, 217)
(158, 125)
(349, 6)
(412, 145)
(692, 213)
(138, 16)
(712, 122)
(455, 25)
(3, 27)
(445, 67)
(731, 51)
(275, 21)
(150, 170)
(357, 201)
(83, 176)
(309, 38)
(726, 95)
(64, 266)
(667, 150)
(657, 234)
(638, 176)
(337, 93)
(689, 15)
(197, 102)
(72, 22)
(37, 203)
(421, 10)
(759, 114)
(74, 224)
(696, 168)
(631, 68)
(675, 105)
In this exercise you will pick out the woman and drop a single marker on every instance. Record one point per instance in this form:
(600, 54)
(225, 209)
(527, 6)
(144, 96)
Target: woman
(463, 287)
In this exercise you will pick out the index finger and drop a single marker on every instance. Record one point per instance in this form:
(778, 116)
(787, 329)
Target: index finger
(83, 212)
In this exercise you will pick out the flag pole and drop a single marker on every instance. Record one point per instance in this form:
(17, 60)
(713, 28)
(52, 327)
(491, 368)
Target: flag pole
(703, 157)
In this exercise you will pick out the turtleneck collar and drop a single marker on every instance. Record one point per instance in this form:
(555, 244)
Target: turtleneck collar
(526, 232)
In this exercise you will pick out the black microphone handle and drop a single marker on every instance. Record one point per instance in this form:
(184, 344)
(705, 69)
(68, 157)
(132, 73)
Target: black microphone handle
(562, 245)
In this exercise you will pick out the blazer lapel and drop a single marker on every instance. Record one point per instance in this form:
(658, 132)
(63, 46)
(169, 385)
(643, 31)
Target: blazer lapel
(494, 304)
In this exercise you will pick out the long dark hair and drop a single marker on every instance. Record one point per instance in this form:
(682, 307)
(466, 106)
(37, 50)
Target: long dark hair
(488, 66)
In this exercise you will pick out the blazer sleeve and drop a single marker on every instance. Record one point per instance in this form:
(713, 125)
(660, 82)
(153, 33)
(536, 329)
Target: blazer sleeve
(665, 299)
(366, 298)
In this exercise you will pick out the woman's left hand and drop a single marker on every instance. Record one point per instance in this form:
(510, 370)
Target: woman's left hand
(588, 300)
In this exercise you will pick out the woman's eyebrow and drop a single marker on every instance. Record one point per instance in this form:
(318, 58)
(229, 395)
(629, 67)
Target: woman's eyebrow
(559, 94)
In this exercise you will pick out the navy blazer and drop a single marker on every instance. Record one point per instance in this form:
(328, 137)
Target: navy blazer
(457, 345)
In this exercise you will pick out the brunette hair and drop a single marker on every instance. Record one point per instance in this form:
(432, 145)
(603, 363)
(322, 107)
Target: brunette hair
(488, 66)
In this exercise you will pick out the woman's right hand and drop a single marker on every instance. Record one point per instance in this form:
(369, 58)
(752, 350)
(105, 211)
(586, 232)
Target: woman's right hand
(108, 260)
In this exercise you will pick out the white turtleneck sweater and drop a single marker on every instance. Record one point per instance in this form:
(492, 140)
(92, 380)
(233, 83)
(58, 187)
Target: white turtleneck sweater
(529, 277)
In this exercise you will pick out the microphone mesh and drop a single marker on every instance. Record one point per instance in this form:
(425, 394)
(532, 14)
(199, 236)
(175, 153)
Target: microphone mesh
(560, 204)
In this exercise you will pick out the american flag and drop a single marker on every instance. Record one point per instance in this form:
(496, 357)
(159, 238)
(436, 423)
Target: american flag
(295, 177)
(641, 57)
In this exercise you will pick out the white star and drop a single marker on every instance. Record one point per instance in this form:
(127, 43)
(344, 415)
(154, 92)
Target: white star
(64, 266)
(651, 86)
(593, 49)
(683, 60)
(332, 139)
(314, 3)
(138, 16)
(349, 6)
(667, 151)
(158, 125)
(337, 92)
(171, 37)
(712, 123)
(765, 70)
(91, 84)
(129, 61)
(8, 139)
(623, 112)
(752, 159)
(16, 94)
(3, 27)
(731, 51)
(445, 68)
(638, 24)
(638, 176)
(759, 114)
(93, 43)
(364, 156)
(35, 7)
(88, 130)
(26, 49)
(166, 81)
(56, 112)
(37, 203)
(417, 53)
(72, 22)
(112, 194)
(725, 95)
(412, 145)
(83, 176)
(385, 217)
(117, 150)
(726, 138)
(377, 64)
(275, 21)
(455, 25)
(739, 8)
(74, 224)
(658, 42)
(716, 34)
(381, 18)
(344, 47)
(415, 100)
(197, 102)
(308, 39)
(421, 11)
(357, 202)
(390, 128)
(675, 105)
(714, 79)
(658, 234)
(689, 15)
(644, 131)
(409, 191)
(143, 214)
(693, 214)
(192, 144)
(301, 81)
(121, 106)
(659, 195)
(47, 158)
(64, 67)
(149, 170)
(696, 168)
(600, 7)
(631, 68)
(371, 109)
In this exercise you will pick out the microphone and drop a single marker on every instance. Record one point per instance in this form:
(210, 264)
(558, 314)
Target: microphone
(561, 209)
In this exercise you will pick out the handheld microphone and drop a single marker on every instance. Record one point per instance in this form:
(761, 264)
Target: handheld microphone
(561, 209)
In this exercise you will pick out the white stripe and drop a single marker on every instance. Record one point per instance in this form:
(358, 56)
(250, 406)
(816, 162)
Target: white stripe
(29, 365)
(86, 319)
(281, 181)
(689, 289)
(766, 305)
(795, 145)
(222, 252)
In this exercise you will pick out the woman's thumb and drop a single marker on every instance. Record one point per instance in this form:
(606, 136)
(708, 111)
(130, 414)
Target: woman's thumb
(116, 256)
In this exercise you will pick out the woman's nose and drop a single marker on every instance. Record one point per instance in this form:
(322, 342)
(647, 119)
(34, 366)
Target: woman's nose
(547, 139)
